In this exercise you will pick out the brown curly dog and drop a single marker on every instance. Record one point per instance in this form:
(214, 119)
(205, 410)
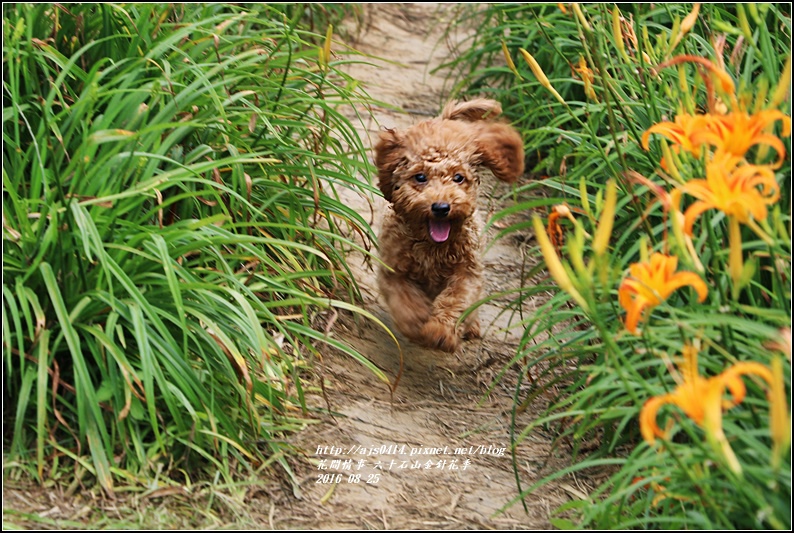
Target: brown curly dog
(430, 237)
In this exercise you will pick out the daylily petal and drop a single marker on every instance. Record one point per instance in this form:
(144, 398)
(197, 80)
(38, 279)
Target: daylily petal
(736, 386)
(648, 427)
(692, 212)
(746, 368)
(633, 315)
(681, 132)
(682, 279)
(776, 144)
(710, 403)
(633, 302)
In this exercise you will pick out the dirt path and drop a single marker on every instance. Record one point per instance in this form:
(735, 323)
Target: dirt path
(394, 465)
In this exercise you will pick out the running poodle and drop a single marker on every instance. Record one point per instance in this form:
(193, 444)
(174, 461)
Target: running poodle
(430, 237)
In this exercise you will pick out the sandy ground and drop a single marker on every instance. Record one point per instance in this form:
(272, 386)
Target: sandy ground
(437, 456)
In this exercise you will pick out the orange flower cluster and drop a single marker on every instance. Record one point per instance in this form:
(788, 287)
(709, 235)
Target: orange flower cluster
(733, 133)
(732, 185)
(743, 191)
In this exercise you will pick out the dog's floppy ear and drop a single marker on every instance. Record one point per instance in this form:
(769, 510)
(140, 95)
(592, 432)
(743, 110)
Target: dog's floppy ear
(388, 155)
(500, 146)
(472, 111)
(502, 150)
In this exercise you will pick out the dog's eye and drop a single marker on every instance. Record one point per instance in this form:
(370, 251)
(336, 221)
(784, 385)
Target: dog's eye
(420, 178)
(458, 178)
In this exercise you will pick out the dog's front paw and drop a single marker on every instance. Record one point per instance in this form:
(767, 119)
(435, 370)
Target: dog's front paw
(471, 329)
(436, 334)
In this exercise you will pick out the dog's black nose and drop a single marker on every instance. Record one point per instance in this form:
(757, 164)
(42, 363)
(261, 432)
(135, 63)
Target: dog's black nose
(440, 209)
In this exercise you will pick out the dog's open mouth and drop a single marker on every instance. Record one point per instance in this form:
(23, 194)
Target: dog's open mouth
(439, 230)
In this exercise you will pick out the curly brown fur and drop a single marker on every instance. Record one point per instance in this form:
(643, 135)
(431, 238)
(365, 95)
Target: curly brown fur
(430, 238)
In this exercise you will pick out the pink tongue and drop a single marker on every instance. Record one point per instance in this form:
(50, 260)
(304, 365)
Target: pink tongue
(439, 230)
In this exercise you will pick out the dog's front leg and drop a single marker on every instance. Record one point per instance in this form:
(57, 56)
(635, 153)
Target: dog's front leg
(408, 305)
(462, 290)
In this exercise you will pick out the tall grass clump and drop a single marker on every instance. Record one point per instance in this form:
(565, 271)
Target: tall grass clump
(172, 233)
(660, 202)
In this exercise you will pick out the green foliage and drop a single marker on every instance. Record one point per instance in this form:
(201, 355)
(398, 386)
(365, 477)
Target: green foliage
(172, 232)
(611, 68)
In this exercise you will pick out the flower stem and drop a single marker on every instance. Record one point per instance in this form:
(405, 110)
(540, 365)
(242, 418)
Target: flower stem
(735, 264)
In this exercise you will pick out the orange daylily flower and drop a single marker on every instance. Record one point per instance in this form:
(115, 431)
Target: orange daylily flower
(738, 131)
(701, 400)
(733, 188)
(734, 133)
(682, 132)
(649, 284)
